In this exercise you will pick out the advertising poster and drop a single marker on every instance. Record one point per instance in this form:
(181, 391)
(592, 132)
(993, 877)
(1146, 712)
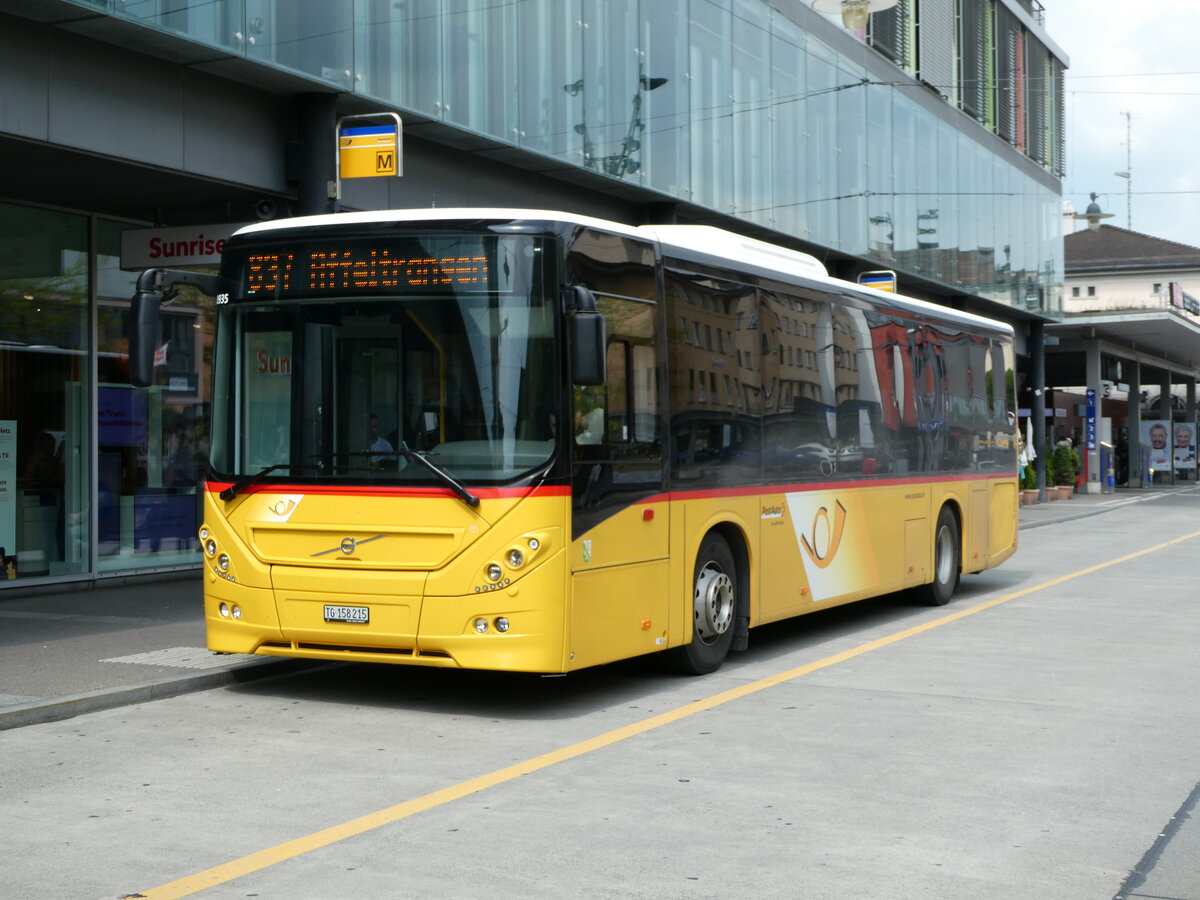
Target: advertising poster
(1156, 444)
(1185, 447)
(8, 488)
(121, 416)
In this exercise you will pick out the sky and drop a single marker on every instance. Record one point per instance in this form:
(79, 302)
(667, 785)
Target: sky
(1135, 56)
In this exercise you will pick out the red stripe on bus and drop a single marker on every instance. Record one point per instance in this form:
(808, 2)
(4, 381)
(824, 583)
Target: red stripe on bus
(565, 491)
(811, 486)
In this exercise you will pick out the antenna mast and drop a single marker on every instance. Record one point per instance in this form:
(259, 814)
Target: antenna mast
(1128, 173)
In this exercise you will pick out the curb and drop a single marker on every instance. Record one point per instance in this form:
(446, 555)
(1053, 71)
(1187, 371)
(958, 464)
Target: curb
(1110, 506)
(39, 712)
(1069, 517)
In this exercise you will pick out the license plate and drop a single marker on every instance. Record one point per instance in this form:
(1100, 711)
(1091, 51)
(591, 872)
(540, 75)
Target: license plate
(358, 614)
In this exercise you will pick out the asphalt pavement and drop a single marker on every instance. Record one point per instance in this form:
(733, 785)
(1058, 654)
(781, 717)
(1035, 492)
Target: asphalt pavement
(66, 650)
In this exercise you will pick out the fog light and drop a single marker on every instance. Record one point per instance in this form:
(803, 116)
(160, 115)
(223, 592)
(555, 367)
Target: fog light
(237, 611)
(515, 558)
(534, 543)
(494, 572)
(481, 625)
(223, 562)
(502, 624)
(223, 609)
(210, 547)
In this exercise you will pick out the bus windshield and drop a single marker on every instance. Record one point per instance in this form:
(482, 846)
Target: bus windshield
(343, 359)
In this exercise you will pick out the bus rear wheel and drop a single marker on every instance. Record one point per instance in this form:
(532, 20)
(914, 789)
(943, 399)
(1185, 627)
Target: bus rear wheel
(714, 610)
(947, 553)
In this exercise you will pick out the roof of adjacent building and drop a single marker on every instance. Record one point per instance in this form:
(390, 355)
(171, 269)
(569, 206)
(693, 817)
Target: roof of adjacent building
(1110, 247)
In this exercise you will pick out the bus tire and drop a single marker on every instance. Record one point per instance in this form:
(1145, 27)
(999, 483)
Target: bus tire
(714, 610)
(947, 559)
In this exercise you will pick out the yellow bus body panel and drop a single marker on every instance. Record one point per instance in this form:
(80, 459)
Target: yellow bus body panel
(418, 564)
(619, 590)
(622, 589)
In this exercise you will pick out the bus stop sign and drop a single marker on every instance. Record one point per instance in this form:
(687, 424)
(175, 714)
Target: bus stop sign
(370, 149)
(880, 279)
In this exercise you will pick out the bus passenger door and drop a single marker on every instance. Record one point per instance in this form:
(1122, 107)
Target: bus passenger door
(620, 516)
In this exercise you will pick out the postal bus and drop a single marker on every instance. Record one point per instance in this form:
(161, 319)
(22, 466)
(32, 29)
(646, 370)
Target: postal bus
(536, 441)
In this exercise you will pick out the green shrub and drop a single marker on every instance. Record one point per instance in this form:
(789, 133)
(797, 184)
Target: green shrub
(1028, 478)
(1066, 464)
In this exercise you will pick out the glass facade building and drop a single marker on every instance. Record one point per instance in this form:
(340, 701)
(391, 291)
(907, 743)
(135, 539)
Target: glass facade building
(736, 106)
(937, 158)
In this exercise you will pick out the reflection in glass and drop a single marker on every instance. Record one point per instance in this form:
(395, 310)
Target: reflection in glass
(44, 482)
(730, 105)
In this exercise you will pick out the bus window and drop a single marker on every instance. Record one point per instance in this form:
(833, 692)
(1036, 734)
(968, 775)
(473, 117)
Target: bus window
(862, 439)
(796, 438)
(617, 445)
(713, 439)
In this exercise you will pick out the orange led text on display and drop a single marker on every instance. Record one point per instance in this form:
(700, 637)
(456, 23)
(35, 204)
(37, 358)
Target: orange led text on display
(348, 270)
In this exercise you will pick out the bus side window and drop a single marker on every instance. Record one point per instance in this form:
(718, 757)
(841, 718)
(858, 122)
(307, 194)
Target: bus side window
(617, 448)
(623, 413)
(589, 415)
(618, 431)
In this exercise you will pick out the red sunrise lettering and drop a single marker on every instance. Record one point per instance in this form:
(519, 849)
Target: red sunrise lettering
(273, 365)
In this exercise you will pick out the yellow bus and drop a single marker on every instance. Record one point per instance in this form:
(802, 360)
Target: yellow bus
(536, 441)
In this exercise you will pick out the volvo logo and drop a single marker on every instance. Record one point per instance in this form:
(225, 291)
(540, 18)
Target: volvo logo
(349, 544)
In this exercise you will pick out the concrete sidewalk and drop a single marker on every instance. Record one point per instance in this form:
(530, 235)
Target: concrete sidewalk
(76, 650)
(71, 651)
(1082, 505)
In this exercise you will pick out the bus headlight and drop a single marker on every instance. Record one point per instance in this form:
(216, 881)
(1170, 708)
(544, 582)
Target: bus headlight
(210, 547)
(494, 572)
(502, 624)
(515, 558)
(481, 625)
(223, 562)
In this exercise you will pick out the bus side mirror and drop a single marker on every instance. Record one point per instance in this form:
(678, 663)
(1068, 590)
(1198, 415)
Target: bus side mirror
(585, 337)
(587, 348)
(143, 337)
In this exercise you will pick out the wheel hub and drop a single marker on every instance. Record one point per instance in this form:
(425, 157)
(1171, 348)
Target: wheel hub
(713, 602)
(944, 558)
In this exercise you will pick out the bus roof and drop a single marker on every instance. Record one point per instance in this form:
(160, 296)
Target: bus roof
(690, 241)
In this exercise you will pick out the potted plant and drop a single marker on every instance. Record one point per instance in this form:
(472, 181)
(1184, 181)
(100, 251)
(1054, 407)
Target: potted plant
(1066, 464)
(1029, 490)
(1051, 486)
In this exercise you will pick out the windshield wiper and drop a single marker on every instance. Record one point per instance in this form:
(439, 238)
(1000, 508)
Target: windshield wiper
(240, 485)
(445, 477)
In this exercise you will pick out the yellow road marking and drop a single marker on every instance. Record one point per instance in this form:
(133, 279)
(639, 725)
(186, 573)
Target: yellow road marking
(263, 859)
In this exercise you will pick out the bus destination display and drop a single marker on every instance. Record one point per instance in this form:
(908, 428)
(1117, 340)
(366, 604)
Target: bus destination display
(368, 269)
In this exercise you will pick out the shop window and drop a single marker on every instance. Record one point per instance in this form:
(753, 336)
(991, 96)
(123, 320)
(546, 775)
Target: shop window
(45, 486)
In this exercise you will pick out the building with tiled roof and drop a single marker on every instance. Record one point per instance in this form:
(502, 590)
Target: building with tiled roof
(1111, 268)
(1128, 337)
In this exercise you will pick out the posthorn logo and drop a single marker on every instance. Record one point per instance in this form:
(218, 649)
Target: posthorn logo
(822, 542)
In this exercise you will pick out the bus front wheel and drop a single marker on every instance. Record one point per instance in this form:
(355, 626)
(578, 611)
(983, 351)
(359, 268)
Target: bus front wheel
(947, 552)
(714, 610)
